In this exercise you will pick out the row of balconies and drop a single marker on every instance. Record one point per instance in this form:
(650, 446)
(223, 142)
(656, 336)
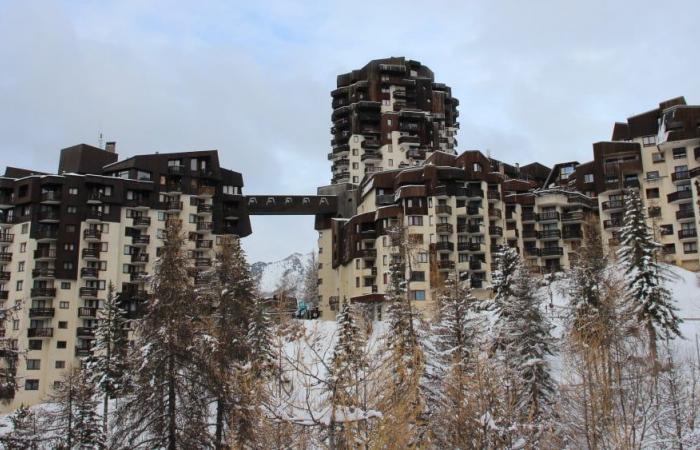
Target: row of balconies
(5, 257)
(446, 264)
(680, 195)
(6, 238)
(544, 251)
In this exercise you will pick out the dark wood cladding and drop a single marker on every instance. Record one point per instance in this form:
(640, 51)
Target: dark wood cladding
(291, 204)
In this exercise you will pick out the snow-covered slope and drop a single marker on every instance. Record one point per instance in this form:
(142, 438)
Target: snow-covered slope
(269, 274)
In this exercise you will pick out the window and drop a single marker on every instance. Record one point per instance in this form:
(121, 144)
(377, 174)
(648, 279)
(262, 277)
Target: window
(653, 175)
(65, 285)
(679, 153)
(19, 286)
(31, 385)
(23, 247)
(35, 345)
(588, 178)
(355, 180)
(422, 257)
(72, 209)
(69, 247)
(355, 165)
(70, 228)
(68, 266)
(61, 344)
(657, 157)
(476, 167)
(60, 365)
(15, 324)
(33, 364)
(648, 140)
(391, 163)
(417, 295)
(62, 324)
(653, 193)
(161, 216)
(418, 276)
(20, 266)
(25, 228)
(73, 191)
(357, 281)
(566, 171)
(690, 247)
(415, 220)
(63, 305)
(654, 211)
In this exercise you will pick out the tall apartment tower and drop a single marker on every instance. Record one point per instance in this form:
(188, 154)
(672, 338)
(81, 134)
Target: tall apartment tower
(65, 237)
(390, 114)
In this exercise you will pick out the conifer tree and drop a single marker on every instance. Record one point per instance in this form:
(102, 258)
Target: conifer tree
(73, 419)
(25, 434)
(108, 366)
(167, 406)
(508, 265)
(652, 307)
(260, 340)
(230, 294)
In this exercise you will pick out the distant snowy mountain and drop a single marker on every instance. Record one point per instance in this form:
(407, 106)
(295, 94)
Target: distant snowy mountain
(269, 274)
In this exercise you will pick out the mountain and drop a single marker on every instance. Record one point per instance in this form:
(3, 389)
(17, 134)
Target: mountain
(269, 274)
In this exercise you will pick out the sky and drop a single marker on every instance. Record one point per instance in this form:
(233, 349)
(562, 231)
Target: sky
(536, 80)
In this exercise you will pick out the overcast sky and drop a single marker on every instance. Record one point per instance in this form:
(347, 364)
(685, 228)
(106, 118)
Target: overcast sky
(536, 80)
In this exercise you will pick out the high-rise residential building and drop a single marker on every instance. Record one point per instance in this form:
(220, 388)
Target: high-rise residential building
(65, 237)
(387, 115)
(458, 211)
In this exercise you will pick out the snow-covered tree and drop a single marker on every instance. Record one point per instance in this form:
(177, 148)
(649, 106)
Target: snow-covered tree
(652, 307)
(508, 265)
(451, 350)
(167, 405)
(26, 433)
(108, 366)
(73, 422)
(230, 294)
(309, 290)
(260, 339)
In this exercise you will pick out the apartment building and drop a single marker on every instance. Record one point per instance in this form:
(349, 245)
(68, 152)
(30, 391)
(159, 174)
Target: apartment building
(65, 237)
(387, 115)
(457, 211)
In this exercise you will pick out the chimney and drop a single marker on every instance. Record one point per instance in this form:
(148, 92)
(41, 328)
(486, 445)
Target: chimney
(111, 146)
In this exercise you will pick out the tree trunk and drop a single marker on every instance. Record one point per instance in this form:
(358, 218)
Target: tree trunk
(219, 425)
(172, 424)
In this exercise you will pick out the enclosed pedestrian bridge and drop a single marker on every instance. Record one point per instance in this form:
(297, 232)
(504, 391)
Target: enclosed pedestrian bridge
(276, 205)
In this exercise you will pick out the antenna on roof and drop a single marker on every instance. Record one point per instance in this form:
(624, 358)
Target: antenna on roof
(99, 140)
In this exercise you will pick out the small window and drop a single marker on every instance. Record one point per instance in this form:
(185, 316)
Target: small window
(23, 247)
(70, 228)
(65, 285)
(418, 276)
(35, 344)
(653, 175)
(476, 167)
(690, 247)
(64, 305)
(33, 364)
(25, 228)
(73, 191)
(588, 178)
(68, 266)
(19, 286)
(20, 266)
(69, 247)
(72, 209)
(417, 295)
(61, 344)
(60, 365)
(657, 157)
(653, 193)
(648, 140)
(679, 153)
(62, 324)
(31, 385)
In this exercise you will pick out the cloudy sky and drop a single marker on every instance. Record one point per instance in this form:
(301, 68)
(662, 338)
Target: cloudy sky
(537, 80)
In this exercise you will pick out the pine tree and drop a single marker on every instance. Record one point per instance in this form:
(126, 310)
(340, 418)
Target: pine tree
(529, 344)
(310, 285)
(652, 306)
(451, 351)
(73, 418)
(25, 434)
(108, 366)
(260, 340)
(508, 265)
(346, 372)
(167, 405)
(230, 295)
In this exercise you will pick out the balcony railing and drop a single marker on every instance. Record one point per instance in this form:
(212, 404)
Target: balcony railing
(39, 332)
(85, 332)
(81, 352)
(532, 251)
(43, 272)
(89, 272)
(142, 221)
(547, 216)
(367, 253)
(139, 258)
(204, 226)
(41, 312)
(170, 206)
(475, 265)
(680, 175)
(527, 216)
(52, 196)
(5, 257)
(176, 170)
(202, 262)
(612, 223)
(495, 212)
(87, 312)
(204, 243)
(88, 292)
(140, 240)
(549, 234)
(4, 276)
(4, 295)
(495, 231)
(206, 191)
(445, 246)
(43, 292)
(473, 211)
(6, 237)
(685, 214)
(680, 195)
(204, 209)
(551, 251)
(573, 234)
(444, 228)
(94, 214)
(686, 233)
(612, 204)
(91, 253)
(45, 254)
(529, 234)
(443, 209)
(575, 216)
(43, 234)
(445, 264)
(469, 246)
(92, 234)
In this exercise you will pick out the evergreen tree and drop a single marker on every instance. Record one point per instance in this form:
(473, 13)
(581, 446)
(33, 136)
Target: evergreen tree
(508, 265)
(167, 405)
(529, 344)
(451, 351)
(652, 306)
(310, 285)
(73, 419)
(260, 339)
(25, 430)
(230, 295)
(108, 366)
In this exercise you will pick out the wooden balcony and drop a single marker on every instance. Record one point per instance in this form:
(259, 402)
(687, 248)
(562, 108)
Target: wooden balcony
(687, 233)
(444, 246)
(680, 195)
(443, 264)
(444, 228)
(43, 292)
(91, 234)
(36, 313)
(443, 210)
(87, 312)
(39, 332)
(548, 216)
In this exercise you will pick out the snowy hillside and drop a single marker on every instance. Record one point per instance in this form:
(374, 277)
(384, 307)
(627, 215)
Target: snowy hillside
(269, 274)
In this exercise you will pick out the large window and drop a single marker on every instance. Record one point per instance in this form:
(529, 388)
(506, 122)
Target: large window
(417, 295)
(679, 153)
